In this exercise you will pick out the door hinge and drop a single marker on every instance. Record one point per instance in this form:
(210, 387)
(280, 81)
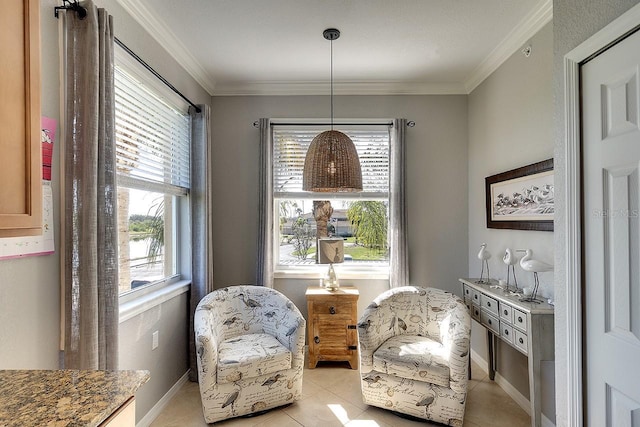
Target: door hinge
(351, 326)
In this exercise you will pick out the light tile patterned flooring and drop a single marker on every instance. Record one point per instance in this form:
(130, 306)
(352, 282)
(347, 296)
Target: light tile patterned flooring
(331, 397)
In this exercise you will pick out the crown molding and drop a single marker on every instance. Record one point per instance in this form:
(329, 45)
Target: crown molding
(527, 28)
(167, 39)
(285, 88)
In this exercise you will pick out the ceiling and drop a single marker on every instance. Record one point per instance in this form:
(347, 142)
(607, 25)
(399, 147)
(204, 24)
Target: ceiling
(276, 47)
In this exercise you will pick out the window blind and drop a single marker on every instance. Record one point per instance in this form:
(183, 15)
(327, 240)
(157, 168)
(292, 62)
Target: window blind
(290, 148)
(152, 139)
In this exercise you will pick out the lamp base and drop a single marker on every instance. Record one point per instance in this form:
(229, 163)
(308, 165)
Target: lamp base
(331, 281)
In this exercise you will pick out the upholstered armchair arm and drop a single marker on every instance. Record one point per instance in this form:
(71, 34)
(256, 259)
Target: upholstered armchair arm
(282, 319)
(206, 341)
(455, 338)
(374, 328)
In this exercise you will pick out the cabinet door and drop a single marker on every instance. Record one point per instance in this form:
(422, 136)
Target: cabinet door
(20, 149)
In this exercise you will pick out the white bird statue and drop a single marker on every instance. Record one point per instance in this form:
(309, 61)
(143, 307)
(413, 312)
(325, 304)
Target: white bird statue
(511, 260)
(535, 266)
(484, 256)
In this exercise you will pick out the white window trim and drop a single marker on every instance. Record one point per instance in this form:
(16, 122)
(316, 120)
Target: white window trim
(137, 301)
(318, 271)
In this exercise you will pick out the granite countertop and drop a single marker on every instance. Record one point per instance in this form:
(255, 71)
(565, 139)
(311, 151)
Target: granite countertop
(61, 398)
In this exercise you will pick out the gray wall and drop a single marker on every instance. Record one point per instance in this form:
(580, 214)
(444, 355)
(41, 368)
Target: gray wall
(30, 287)
(510, 122)
(436, 183)
(574, 21)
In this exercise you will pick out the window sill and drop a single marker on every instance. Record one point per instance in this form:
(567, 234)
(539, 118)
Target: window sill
(147, 301)
(319, 272)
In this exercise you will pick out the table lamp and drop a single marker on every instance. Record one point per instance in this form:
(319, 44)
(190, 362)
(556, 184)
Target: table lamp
(331, 251)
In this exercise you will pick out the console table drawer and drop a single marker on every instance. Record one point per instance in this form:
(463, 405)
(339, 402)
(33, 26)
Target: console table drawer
(490, 322)
(506, 332)
(471, 295)
(520, 340)
(506, 312)
(489, 304)
(520, 320)
(475, 313)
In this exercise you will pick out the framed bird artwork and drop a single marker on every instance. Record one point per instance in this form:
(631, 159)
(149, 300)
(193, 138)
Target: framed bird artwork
(522, 198)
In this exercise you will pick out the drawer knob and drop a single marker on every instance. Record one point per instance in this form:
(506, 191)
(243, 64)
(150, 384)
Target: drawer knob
(316, 339)
(521, 341)
(506, 312)
(488, 304)
(332, 310)
(520, 319)
(477, 312)
(475, 296)
(506, 332)
(489, 321)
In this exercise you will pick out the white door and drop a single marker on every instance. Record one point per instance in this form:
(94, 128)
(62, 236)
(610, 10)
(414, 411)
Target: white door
(611, 245)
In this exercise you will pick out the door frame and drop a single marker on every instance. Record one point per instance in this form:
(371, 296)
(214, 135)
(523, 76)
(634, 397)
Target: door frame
(614, 32)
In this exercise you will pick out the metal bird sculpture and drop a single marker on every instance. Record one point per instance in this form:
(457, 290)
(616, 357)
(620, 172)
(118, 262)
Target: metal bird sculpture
(535, 266)
(511, 260)
(484, 256)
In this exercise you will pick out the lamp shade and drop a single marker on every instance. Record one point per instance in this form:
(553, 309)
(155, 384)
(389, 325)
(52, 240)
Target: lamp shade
(330, 251)
(332, 164)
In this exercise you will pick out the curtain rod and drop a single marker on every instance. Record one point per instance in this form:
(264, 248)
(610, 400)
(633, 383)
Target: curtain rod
(82, 13)
(409, 124)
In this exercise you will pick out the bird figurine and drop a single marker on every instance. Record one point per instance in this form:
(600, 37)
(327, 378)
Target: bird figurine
(484, 256)
(511, 260)
(535, 266)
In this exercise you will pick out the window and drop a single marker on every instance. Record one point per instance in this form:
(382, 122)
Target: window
(152, 152)
(361, 219)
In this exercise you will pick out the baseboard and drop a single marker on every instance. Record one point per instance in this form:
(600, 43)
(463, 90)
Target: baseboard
(505, 385)
(164, 401)
(520, 399)
(480, 361)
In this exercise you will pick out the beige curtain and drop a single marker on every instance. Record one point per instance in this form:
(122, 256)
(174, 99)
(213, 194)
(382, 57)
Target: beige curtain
(90, 272)
(399, 252)
(201, 220)
(264, 260)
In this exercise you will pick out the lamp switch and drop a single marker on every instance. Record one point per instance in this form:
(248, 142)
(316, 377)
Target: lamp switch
(154, 339)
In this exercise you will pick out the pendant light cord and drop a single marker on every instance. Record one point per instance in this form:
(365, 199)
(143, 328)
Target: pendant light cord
(331, 62)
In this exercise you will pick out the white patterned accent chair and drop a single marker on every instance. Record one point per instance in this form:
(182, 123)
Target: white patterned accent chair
(414, 348)
(250, 351)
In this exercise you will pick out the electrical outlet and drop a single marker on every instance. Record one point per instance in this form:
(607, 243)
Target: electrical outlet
(154, 343)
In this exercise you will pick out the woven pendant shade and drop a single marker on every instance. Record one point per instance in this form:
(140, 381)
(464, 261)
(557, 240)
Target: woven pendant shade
(332, 164)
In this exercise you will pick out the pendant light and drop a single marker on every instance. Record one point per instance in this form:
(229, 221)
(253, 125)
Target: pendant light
(332, 164)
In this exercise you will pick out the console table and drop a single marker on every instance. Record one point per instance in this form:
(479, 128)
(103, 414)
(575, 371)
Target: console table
(525, 326)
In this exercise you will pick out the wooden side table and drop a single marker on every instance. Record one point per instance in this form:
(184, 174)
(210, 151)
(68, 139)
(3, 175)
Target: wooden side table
(331, 326)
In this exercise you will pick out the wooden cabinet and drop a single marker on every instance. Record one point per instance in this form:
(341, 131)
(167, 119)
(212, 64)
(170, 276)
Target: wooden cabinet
(525, 326)
(332, 332)
(20, 146)
(124, 416)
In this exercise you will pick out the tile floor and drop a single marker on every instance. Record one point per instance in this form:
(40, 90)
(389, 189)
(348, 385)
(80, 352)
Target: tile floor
(331, 397)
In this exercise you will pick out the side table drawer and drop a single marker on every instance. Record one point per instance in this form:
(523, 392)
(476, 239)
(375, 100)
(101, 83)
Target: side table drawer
(489, 304)
(520, 341)
(333, 308)
(490, 322)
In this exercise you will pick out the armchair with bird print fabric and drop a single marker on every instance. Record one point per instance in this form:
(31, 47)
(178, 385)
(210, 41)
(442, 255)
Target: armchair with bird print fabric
(414, 347)
(250, 351)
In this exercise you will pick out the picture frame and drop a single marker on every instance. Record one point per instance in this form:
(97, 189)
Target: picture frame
(522, 198)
